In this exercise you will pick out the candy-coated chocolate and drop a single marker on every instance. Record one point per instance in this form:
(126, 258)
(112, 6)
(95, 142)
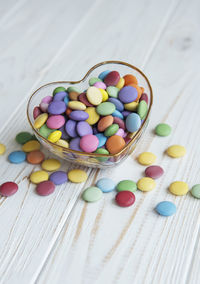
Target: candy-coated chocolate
(106, 184)
(115, 144)
(179, 188)
(17, 157)
(133, 122)
(94, 96)
(55, 121)
(79, 115)
(146, 158)
(76, 105)
(57, 107)
(31, 146)
(120, 83)
(36, 112)
(105, 122)
(130, 79)
(100, 85)
(2, 149)
(111, 130)
(125, 198)
(128, 94)
(58, 177)
(94, 80)
(45, 131)
(144, 97)
(112, 78)
(104, 95)
(45, 188)
(70, 128)
(166, 208)
(102, 139)
(163, 129)
(23, 137)
(195, 191)
(176, 151)
(92, 194)
(118, 104)
(73, 96)
(83, 98)
(40, 120)
(83, 128)
(112, 91)
(89, 143)
(55, 136)
(105, 108)
(62, 143)
(127, 185)
(59, 96)
(154, 172)
(75, 144)
(103, 74)
(58, 90)
(39, 176)
(77, 176)
(35, 157)
(8, 188)
(93, 115)
(51, 165)
(146, 184)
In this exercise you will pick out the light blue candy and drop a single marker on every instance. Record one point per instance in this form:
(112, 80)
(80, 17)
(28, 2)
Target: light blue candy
(166, 208)
(119, 105)
(66, 99)
(103, 74)
(17, 157)
(105, 184)
(117, 113)
(133, 122)
(102, 139)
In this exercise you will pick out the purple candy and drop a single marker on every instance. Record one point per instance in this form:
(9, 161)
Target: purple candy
(83, 128)
(57, 107)
(125, 113)
(79, 115)
(58, 177)
(128, 94)
(100, 85)
(64, 136)
(75, 144)
(70, 128)
(47, 99)
(119, 105)
(59, 96)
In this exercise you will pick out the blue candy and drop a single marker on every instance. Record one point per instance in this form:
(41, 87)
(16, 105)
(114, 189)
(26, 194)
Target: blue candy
(119, 105)
(17, 157)
(166, 208)
(103, 74)
(102, 139)
(133, 122)
(66, 99)
(116, 113)
(105, 184)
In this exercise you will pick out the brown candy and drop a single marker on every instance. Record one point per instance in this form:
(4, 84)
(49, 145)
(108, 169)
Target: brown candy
(35, 157)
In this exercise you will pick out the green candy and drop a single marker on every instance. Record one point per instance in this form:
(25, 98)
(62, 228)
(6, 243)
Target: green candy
(127, 185)
(58, 90)
(163, 129)
(105, 108)
(45, 131)
(111, 130)
(102, 151)
(142, 109)
(73, 89)
(23, 137)
(92, 194)
(93, 80)
(195, 191)
(112, 91)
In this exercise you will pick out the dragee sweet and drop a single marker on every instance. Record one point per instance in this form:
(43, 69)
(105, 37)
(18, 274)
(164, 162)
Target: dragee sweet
(102, 115)
(166, 208)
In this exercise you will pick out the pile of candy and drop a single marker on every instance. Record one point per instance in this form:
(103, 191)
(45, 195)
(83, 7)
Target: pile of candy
(96, 120)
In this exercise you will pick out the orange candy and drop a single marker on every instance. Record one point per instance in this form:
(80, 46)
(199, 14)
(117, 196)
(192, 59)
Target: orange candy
(35, 157)
(73, 96)
(104, 122)
(130, 79)
(115, 144)
(68, 111)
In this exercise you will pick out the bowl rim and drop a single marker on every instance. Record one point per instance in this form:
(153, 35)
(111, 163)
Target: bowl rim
(133, 136)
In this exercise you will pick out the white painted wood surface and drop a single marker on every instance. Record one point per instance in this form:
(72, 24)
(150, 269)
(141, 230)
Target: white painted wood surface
(61, 239)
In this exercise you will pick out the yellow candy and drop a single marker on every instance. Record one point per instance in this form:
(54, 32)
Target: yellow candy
(179, 188)
(120, 84)
(104, 95)
(51, 165)
(76, 105)
(55, 136)
(93, 115)
(77, 176)
(2, 149)
(94, 96)
(146, 184)
(131, 106)
(146, 158)
(176, 151)
(39, 176)
(40, 120)
(31, 146)
(63, 143)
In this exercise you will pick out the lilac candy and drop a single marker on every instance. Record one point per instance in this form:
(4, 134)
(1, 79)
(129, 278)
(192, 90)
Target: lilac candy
(120, 132)
(119, 105)
(126, 113)
(83, 128)
(64, 133)
(44, 106)
(100, 85)
(128, 94)
(58, 177)
(57, 107)
(75, 144)
(59, 96)
(47, 99)
(79, 115)
(70, 128)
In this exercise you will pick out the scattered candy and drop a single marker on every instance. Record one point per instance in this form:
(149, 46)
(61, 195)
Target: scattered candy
(35, 157)
(92, 194)
(77, 176)
(179, 188)
(51, 165)
(125, 198)
(23, 137)
(17, 157)
(163, 129)
(146, 158)
(154, 172)
(45, 188)
(58, 177)
(146, 184)
(106, 184)
(39, 176)
(2, 149)
(176, 151)
(166, 208)
(30, 146)
(195, 191)
(127, 185)
(8, 188)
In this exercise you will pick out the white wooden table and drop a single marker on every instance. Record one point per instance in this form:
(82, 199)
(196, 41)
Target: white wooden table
(61, 239)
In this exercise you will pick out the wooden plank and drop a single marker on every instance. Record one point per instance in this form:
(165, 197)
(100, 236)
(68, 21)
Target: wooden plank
(35, 223)
(103, 243)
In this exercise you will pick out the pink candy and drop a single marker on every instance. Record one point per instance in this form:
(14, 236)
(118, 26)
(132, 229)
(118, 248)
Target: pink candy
(120, 132)
(55, 121)
(100, 85)
(89, 143)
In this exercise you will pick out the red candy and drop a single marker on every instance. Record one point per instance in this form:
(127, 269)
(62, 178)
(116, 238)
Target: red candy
(82, 98)
(154, 172)
(112, 78)
(125, 198)
(144, 97)
(45, 188)
(8, 188)
(36, 112)
(120, 122)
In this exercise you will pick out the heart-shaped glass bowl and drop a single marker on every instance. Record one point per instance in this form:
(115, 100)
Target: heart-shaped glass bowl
(92, 159)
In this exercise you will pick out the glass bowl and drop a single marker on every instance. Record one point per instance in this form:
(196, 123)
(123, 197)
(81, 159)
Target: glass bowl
(92, 159)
